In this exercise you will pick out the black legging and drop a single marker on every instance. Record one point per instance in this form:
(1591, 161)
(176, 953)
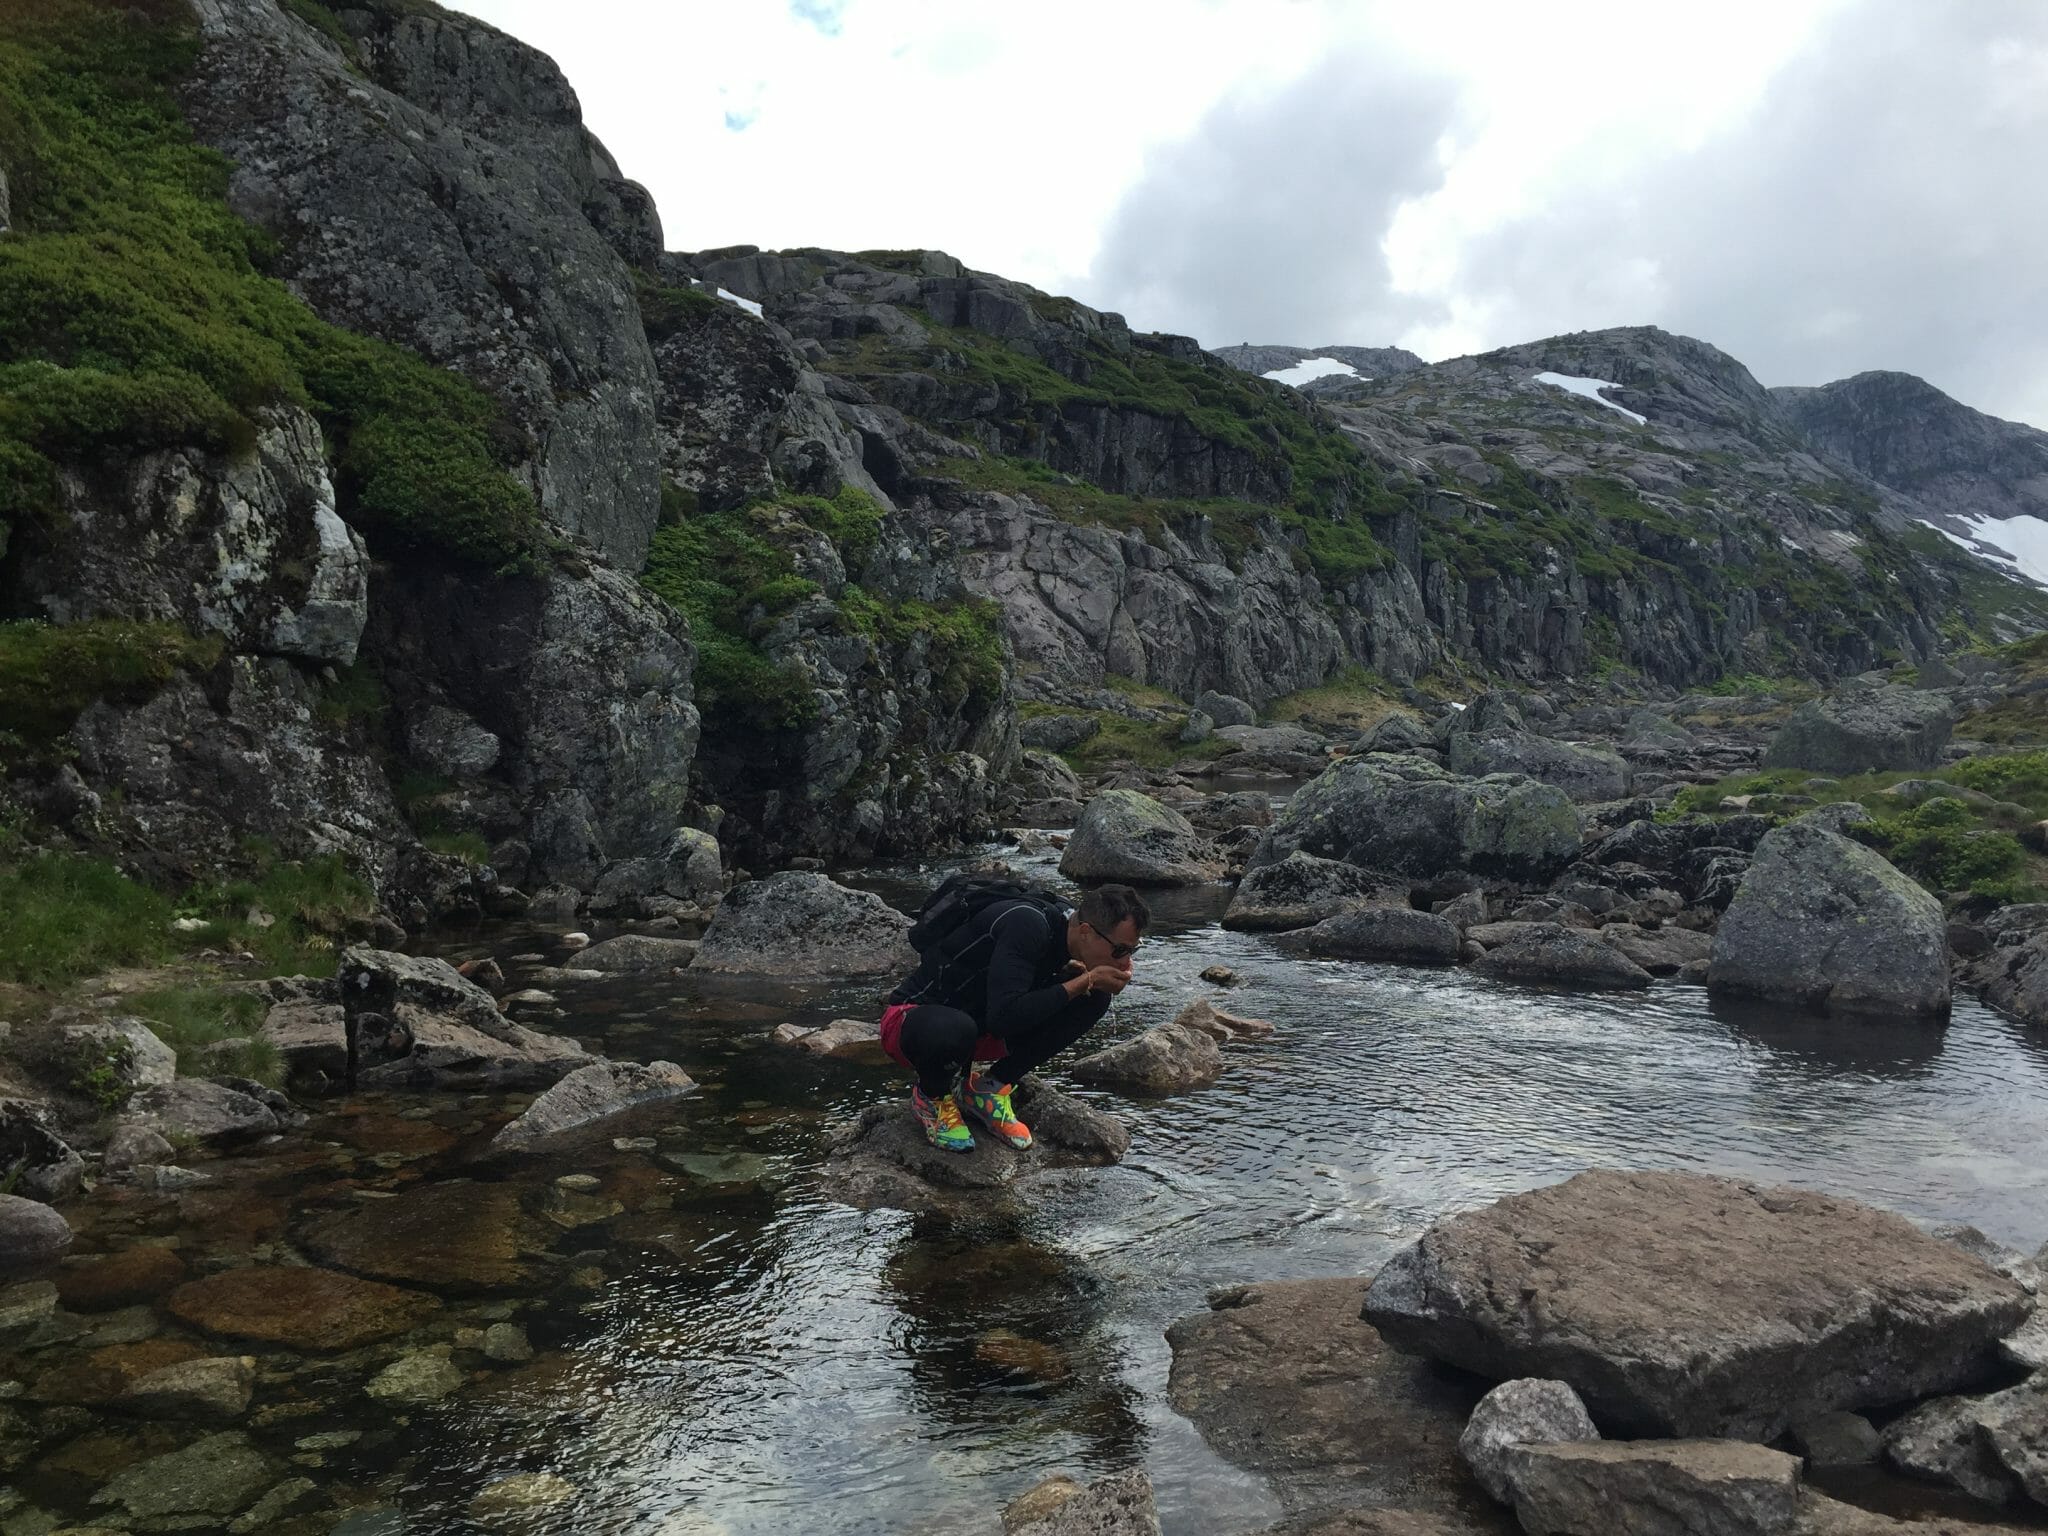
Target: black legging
(939, 1043)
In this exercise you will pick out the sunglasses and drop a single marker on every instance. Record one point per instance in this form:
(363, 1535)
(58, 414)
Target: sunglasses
(1116, 951)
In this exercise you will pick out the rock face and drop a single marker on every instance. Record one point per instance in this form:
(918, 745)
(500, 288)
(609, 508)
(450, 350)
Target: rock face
(1828, 924)
(1283, 1379)
(1865, 729)
(1407, 815)
(1378, 933)
(1687, 1305)
(1130, 837)
(1568, 957)
(1299, 891)
(593, 1093)
(802, 924)
(1163, 1061)
(1655, 1488)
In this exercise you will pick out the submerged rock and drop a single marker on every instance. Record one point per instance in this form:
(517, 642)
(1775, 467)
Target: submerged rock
(1660, 951)
(103, 1283)
(1830, 925)
(799, 923)
(1117, 1505)
(638, 952)
(1124, 835)
(593, 1093)
(1689, 1305)
(455, 1237)
(1163, 1061)
(314, 1310)
(415, 1379)
(215, 1477)
(217, 1388)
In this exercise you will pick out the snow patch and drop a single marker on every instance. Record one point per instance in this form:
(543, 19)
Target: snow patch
(2020, 542)
(753, 308)
(1590, 389)
(1309, 368)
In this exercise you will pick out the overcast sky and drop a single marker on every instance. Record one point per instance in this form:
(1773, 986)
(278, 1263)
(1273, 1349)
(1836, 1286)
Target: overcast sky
(1816, 186)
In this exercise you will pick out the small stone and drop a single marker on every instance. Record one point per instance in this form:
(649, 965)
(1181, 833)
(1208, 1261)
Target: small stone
(417, 1378)
(215, 1388)
(506, 1343)
(272, 1505)
(166, 1178)
(328, 1440)
(522, 1493)
(575, 940)
(22, 1307)
(579, 1182)
(1514, 1414)
(634, 1143)
(1215, 975)
(218, 1475)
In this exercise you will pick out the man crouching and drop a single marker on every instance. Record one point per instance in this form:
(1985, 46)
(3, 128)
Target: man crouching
(1010, 979)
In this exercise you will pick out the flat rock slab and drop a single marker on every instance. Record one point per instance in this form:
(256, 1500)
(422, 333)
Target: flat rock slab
(860, 1039)
(101, 1283)
(452, 1237)
(1823, 1516)
(1285, 1379)
(215, 1476)
(1993, 1447)
(882, 1160)
(1685, 1304)
(314, 1310)
(638, 952)
(1655, 1488)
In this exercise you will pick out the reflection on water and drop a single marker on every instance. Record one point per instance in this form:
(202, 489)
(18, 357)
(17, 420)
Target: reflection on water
(730, 1353)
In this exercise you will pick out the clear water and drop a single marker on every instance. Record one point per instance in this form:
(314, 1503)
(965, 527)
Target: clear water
(757, 1359)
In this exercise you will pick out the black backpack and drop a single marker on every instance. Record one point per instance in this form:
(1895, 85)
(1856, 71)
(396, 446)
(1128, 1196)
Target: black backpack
(947, 911)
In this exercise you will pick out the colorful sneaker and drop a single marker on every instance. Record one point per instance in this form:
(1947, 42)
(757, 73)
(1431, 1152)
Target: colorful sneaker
(940, 1118)
(989, 1102)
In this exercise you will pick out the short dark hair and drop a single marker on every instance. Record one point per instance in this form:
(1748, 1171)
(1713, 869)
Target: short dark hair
(1105, 906)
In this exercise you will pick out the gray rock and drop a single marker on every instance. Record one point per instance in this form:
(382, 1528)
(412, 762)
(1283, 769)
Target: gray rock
(1379, 933)
(507, 1344)
(2027, 1345)
(693, 869)
(26, 1309)
(1549, 953)
(592, 1093)
(217, 1388)
(42, 1166)
(1223, 709)
(1299, 891)
(451, 743)
(132, 1143)
(1518, 1413)
(799, 923)
(638, 952)
(1655, 1488)
(312, 1039)
(1198, 729)
(1842, 817)
(1836, 1439)
(1117, 1505)
(1159, 1063)
(1130, 837)
(1945, 1441)
(1865, 729)
(1396, 733)
(2016, 1428)
(1228, 812)
(1660, 951)
(1688, 1305)
(203, 1111)
(1409, 816)
(1828, 924)
(1057, 733)
(421, 1024)
(840, 1037)
(215, 1476)
(1586, 774)
(416, 1379)
(141, 1059)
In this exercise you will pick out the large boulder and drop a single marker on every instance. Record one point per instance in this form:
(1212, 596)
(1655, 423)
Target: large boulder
(1396, 733)
(1407, 815)
(1127, 836)
(799, 923)
(1586, 774)
(1225, 709)
(1398, 934)
(30, 1233)
(1299, 891)
(1865, 729)
(1554, 954)
(1684, 1304)
(299, 1307)
(1285, 1380)
(203, 1111)
(1825, 923)
(1168, 1060)
(1655, 1488)
(595, 1092)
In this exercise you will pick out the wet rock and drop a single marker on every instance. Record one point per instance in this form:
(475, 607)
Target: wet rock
(1219, 1026)
(1829, 924)
(1285, 1380)
(881, 1159)
(590, 1094)
(1298, 892)
(1219, 976)
(506, 1344)
(415, 1379)
(317, 1311)
(217, 1388)
(1409, 816)
(216, 1476)
(638, 952)
(1655, 1488)
(1127, 836)
(1117, 1505)
(23, 1307)
(30, 1233)
(1515, 1414)
(138, 1059)
(1038, 1503)
(799, 923)
(842, 1037)
(104, 1282)
(1157, 1064)
(1865, 729)
(522, 1496)
(273, 1506)
(1551, 954)
(1689, 1305)
(2027, 1345)
(37, 1160)
(1836, 1439)
(1660, 951)
(1398, 934)
(1030, 1359)
(455, 1237)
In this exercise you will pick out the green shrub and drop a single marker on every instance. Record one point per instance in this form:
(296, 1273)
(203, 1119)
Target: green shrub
(851, 519)
(1940, 843)
(964, 643)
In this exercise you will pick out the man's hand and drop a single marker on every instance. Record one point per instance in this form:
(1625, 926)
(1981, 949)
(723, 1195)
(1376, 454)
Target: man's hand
(1104, 978)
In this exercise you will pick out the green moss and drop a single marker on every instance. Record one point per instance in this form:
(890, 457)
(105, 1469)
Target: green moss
(851, 519)
(135, 311)
(49, 674)
(666, 310)
(964, 643)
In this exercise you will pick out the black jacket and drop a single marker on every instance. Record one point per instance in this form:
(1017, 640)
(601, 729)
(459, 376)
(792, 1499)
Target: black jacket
(1004, 968)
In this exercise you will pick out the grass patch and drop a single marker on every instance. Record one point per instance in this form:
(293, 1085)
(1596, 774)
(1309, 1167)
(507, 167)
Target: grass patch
(192, 1017)
(63, 917)
(1355, 699)
(470, 847)
(50, 674)
(136, 310)
(1147, 743)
